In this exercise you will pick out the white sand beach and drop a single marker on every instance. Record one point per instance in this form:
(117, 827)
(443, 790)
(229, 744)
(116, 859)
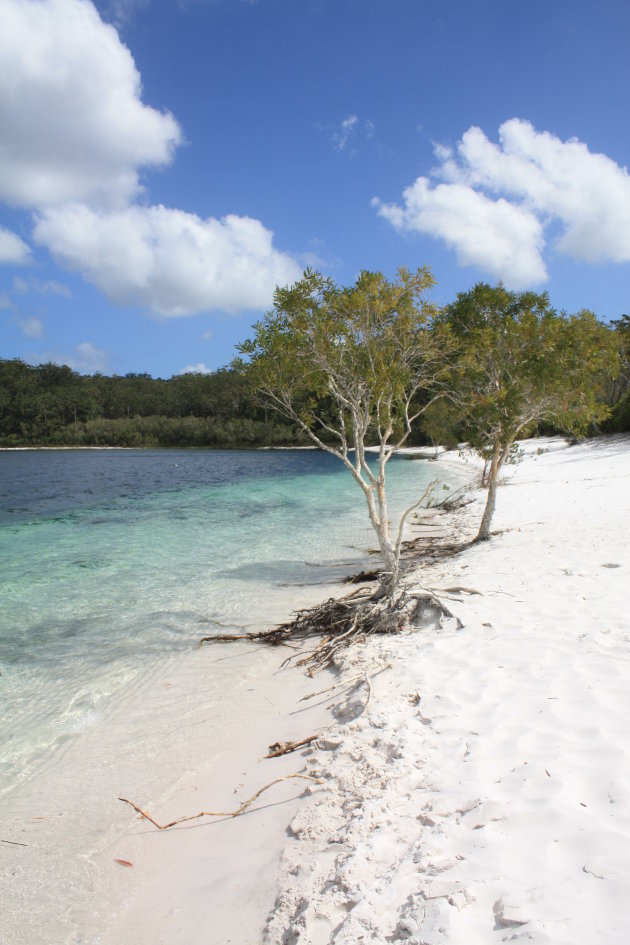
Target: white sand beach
(474, 780)
(483, 796)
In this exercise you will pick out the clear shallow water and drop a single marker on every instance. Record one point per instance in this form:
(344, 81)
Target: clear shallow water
(112, 560)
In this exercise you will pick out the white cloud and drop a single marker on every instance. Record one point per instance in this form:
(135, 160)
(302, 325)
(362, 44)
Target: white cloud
(348, 135)
(588, 193)
(492, 202)
(345, 132)
(172, 262)
(12, 248)
(199, 368)
(207, 335)
(88, 359)
(73, 123)
(75, 137)
(500, 238)
(122, 11)
(31, 327)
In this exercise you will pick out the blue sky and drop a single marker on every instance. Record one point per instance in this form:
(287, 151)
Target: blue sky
(165, 163)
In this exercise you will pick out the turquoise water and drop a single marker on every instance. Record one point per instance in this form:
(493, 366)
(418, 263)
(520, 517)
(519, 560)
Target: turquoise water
(110, 560)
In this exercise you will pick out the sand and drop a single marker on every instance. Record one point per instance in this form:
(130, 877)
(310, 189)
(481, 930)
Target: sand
(492, 762)
(474, 780)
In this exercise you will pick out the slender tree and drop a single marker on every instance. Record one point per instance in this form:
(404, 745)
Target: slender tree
(517, 363)
(351, 367)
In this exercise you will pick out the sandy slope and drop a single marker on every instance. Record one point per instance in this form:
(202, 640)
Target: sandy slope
(484, 793)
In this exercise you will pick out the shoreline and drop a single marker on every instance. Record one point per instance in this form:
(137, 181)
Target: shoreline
(449, 808)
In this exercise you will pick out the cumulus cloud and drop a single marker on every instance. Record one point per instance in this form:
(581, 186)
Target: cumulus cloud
(500, 238)
(167, 260)
(74, 126)
(12, 248)
(76, 136)
(491, 202)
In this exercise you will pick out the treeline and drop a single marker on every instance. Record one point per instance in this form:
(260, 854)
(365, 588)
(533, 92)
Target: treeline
(616, 391)
(52, 405)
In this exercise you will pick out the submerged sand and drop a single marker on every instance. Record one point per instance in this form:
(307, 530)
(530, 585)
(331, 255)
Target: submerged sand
(474, 780)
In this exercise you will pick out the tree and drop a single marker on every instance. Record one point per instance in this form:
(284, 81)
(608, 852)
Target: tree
(346, 365)
(518, 363)
(617, 387)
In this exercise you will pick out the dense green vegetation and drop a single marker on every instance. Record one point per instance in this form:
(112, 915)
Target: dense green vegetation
(516, 363)
(52, 405)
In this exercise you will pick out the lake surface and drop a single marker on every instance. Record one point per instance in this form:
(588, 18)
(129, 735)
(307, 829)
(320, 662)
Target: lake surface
(111, 561)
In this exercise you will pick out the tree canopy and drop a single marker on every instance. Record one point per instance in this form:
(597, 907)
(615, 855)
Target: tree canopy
(352, 367)
(517, 362)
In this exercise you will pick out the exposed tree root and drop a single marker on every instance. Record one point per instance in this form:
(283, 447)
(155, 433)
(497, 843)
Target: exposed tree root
(368, 610)
(345, 620)
(432, 548)
(215, 813)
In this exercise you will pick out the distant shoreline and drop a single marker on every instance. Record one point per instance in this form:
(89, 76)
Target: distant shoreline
(204, 449)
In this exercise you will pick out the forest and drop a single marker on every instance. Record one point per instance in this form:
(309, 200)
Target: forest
(53, 405)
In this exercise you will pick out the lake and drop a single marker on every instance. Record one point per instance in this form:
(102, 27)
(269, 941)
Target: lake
(114, 560)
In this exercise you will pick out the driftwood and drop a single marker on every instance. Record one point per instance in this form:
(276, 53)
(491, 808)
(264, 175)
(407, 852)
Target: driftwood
(214, 813)
(285, 748)
(362, 577)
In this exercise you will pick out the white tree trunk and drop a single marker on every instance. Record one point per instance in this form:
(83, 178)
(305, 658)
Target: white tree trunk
(492, 477)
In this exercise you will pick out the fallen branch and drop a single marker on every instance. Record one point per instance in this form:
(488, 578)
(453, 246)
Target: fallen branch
(233, 637)
(213, 813)
(284, 748)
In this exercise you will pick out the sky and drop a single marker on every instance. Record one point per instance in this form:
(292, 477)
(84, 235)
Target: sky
(164, 164)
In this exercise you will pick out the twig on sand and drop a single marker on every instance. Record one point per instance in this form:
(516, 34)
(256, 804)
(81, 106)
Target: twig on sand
(346, 683)
(284, 748)
(212, 813)
(14, 843)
